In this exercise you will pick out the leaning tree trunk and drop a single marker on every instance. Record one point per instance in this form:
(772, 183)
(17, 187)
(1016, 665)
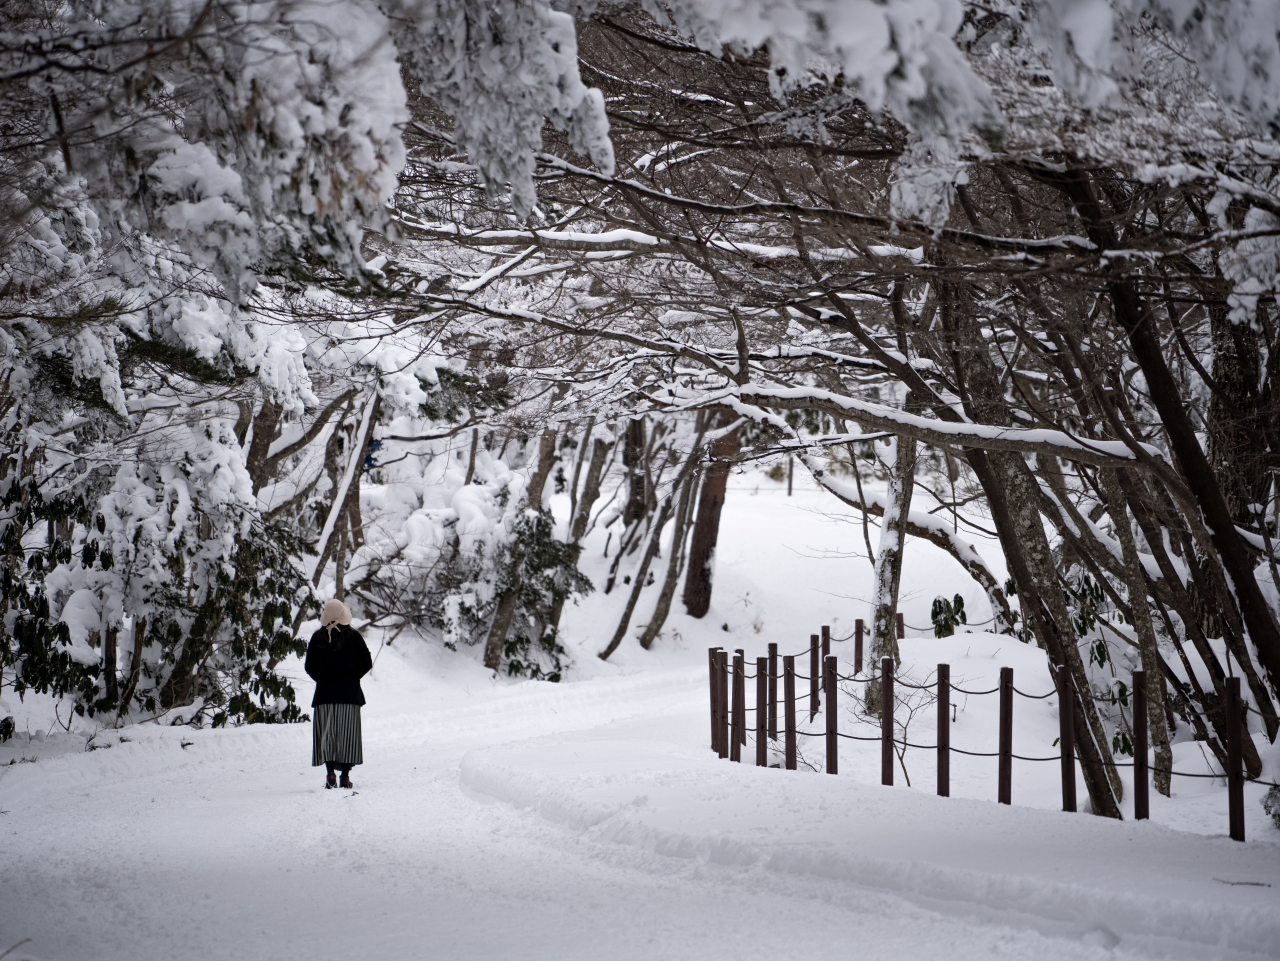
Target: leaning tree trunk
(1044, 604)
(510, 598)
(1139, 323)
(581, 517)
(1014, 498)
(1137, 588)
(888, 571)
(706, 528)
(663, 606)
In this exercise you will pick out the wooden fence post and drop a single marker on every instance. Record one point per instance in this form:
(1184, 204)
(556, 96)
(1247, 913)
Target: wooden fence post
(741, 696)
(1235, 777)
(858, 627)
(739, 712)
(722, 702)
(833, 736)
(1067, 736)
(789, 708)
(886, 721)
(815, 677)
(773, 692)
(711, 687)
(902, 626)
(1004, 788)
(762, 712)
(944, 730)
(1141, 783)
(826, 642)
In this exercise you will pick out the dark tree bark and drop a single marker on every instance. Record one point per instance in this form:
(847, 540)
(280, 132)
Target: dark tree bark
(1139, 324)
(706, 528)
(633, 453)
(109, 666)
(266, 428)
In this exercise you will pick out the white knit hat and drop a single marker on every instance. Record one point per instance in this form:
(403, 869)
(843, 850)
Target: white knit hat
(335, 612)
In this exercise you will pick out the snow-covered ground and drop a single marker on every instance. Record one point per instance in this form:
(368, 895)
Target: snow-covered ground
(588, 819)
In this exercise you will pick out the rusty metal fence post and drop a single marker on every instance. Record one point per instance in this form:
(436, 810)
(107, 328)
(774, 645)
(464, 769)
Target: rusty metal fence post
(789, 708)
(1004, 788)
(901, 625)
(1141, 782)
(1235, 776)
(826, 642)
(858, 627)
(944, 730)
(886, 721)
(1066, 735)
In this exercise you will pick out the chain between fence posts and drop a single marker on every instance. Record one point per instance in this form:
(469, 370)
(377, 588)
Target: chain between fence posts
(901, 625)
(722, 702)
(1235, 776)
(858, 627)
(815, 677)
(886, 721)
(833, 735)
(1141, 786)
(739, 710)
(742, 699)
(762, 712)
(773, 692)
(789, 708)
(944, 730)
(711, 689)
(1004, 788)
(1066, 735)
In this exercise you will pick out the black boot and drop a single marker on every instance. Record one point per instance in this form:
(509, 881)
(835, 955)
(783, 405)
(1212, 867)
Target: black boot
(331, 779)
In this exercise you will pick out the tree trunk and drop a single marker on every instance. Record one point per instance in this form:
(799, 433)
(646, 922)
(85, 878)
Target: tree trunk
(582, 516)
(266, 428)
(663, 607)
(1012, 490)
(888, 570)
(1238, 417)
(637, 584)
(1137, 588)
(135, 666)
(706, 528)
(109, 666)
(510, 598)
(1139, 324)
(633, 452)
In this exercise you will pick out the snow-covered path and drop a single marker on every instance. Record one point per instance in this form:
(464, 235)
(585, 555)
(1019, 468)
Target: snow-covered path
(582, 820)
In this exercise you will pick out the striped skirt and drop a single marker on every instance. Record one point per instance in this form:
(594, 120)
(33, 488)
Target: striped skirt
(335, 735)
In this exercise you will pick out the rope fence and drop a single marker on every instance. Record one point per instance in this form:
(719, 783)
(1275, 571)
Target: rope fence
(730, 729)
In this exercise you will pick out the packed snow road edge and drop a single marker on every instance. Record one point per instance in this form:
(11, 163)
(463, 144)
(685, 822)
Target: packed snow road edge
(1147, 888)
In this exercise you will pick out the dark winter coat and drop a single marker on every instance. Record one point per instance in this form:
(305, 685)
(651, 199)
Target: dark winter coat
(337, 664)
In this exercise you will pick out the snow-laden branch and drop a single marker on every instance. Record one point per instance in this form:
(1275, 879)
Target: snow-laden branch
(929, 528)
(939, 433)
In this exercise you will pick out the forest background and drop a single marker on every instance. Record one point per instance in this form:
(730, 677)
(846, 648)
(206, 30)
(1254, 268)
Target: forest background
(305, 299)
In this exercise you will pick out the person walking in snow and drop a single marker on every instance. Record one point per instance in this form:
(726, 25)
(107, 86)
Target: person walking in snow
(337, 657)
